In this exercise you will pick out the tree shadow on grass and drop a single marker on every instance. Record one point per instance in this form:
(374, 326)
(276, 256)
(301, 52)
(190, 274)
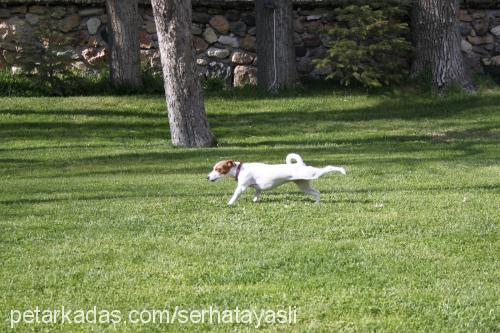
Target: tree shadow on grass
(153, 125)
(32, 130)
(200, 163)
(85, 112)
(272, 125)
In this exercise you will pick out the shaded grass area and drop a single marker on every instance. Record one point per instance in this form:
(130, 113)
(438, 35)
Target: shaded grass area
(98, 209)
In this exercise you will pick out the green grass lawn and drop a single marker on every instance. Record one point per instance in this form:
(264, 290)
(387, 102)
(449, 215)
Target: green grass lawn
(97, 208)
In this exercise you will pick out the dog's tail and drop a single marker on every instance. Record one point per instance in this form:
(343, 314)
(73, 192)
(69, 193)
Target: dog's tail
(294, 157)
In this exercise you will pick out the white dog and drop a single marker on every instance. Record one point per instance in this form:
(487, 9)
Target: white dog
(267, 176)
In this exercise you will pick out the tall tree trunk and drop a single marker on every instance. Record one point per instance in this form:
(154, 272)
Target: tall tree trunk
(275, 51)
(186, 111)
(124, 51)
(436, 37)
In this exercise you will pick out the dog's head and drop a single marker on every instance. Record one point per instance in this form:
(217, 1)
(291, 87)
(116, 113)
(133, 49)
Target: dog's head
(221, 169)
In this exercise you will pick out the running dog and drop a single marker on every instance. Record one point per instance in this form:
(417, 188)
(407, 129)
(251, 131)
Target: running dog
(267, 176)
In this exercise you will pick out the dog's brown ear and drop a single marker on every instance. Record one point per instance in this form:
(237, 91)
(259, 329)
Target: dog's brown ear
(230, 163)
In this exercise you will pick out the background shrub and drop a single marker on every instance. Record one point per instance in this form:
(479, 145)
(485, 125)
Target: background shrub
(368, 44)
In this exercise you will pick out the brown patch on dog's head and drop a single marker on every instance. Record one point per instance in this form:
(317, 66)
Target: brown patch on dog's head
(224, 166)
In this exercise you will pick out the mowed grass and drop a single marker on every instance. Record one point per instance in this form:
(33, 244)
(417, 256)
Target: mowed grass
(97, 208)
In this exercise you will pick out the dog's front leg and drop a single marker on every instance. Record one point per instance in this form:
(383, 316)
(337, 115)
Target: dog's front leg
(239, 189)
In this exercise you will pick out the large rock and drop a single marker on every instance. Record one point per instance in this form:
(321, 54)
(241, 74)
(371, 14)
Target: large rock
(79, 66)
(495, 60)
(199, 44)
(210, 35)
(480, 40)
(229, 41)
(314, 26)
(57, 12)
(465, 28)
(318, 53)
(93, 41)
(233, 15)
(40, 10)
(91, 12)
(5, 31)
(14, 29)
(466, 46)
(238, 28)
(244, 75)
(242, 58)
(496, 48)
(145, 40)
(19, 10)
(473, 62)
(480, 50)
(305, 65)
(480, 25)
(10, 57)
(4, 13)
(298, 27)
(311, 41)
(196, 29)
(150, 27)
(297, 39)
(201, 62)
(300, 51)
(201, 17)
(93, 25)
(3, 63)
(81, 38)
(464, 16)
(313, 18)
(495, 19)
(103, 18)
(218, 53)
(248, 43)
(32, 18)
(95, 57)
(68, 54)
(69, 23)
(220, 24)
(496, 31)
(8, 46)
(248, 18)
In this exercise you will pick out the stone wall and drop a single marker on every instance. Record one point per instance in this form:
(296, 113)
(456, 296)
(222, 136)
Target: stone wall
(480, 31)
(223, 37)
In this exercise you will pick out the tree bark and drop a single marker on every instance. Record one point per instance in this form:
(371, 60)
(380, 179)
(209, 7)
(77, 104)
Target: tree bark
(437, 39)
(124, 50)
(186, 112)
(275, 50)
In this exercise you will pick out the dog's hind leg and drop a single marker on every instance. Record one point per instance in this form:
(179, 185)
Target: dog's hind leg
(306, 187)
(256, 195)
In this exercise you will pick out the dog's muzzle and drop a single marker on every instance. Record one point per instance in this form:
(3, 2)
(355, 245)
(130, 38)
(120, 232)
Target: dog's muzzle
(213, 176)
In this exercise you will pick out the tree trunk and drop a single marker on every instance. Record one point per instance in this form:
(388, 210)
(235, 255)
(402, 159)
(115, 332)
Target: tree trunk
(275, 50)
(186, 112)
(124, 50)
(437, 39)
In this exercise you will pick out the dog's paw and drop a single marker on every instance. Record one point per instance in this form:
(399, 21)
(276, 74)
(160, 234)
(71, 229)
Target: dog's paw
(342, 171)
